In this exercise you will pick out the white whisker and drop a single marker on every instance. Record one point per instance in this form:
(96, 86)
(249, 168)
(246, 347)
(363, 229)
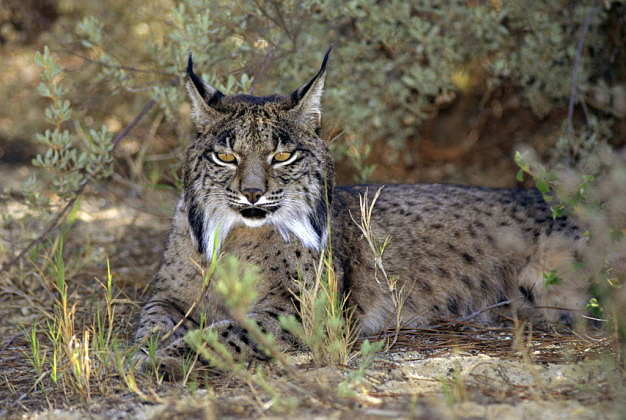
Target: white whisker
(290, 216)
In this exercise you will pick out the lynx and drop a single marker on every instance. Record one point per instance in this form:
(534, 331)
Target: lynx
(258, 184)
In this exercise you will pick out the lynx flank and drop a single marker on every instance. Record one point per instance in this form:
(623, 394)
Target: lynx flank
(258, 183)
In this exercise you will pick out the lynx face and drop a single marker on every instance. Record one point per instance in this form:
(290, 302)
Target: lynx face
(256, 161)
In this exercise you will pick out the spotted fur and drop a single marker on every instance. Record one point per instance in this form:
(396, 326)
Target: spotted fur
(453, 249)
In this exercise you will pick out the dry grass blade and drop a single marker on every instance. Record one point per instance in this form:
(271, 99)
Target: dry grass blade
(377, 247)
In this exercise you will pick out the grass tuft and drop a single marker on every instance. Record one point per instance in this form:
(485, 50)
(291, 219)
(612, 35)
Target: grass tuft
(326, 326)
(377, 246)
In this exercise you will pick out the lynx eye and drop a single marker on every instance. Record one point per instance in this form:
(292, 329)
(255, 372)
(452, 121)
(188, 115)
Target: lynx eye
(281, 156)
(226, 157)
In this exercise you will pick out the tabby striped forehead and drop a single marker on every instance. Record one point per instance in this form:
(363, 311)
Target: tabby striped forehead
(254, 133)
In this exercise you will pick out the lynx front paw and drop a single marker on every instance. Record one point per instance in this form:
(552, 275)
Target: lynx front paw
(237, 341)
(172, 361)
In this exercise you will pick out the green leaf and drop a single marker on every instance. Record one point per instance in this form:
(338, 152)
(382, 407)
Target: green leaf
(43, 90)
(594, 307)
(550, 278)
(557, 211)
(542, 185)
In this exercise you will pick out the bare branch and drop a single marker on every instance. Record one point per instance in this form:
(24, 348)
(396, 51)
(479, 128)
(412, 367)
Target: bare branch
(575, 70)
(113, 66)
(60, 216)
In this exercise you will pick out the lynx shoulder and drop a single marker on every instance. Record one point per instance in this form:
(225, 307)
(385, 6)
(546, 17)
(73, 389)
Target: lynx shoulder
(259, 185)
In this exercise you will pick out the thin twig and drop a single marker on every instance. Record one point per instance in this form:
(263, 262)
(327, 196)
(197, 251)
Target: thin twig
(262, 69)
(51, 227)
(595, 319)
(485, 309)
(113, 66)
(588, 338)
(60, 216)
(278, 21)
(292, 36)
(577, 59)
(452, 321)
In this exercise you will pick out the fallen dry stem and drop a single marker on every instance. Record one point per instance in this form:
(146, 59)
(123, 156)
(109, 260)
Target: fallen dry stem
(546, 346)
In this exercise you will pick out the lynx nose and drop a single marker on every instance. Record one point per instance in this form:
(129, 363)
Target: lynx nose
(252, 194)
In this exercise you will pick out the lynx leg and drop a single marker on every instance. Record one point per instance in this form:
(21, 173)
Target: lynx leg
(159, 321)
(158, 318)
(562, 302)
(235, 338)
(240, 341)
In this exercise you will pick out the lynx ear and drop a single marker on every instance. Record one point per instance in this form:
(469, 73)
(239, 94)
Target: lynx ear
(205, 99)
(307, 99)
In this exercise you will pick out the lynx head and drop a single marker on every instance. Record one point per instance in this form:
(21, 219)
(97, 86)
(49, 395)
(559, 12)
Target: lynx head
(257, 160)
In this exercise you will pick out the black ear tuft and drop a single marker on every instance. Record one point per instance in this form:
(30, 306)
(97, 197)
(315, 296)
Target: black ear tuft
(197, 82)
(299, 93)
(189, 65)
(306, 100)
(324, 61)
(205, 99)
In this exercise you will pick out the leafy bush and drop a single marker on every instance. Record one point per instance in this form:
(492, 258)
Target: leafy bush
(587, 180)
(395, 64)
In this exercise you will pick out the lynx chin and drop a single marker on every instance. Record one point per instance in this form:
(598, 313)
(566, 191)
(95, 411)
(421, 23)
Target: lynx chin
(258, 184)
